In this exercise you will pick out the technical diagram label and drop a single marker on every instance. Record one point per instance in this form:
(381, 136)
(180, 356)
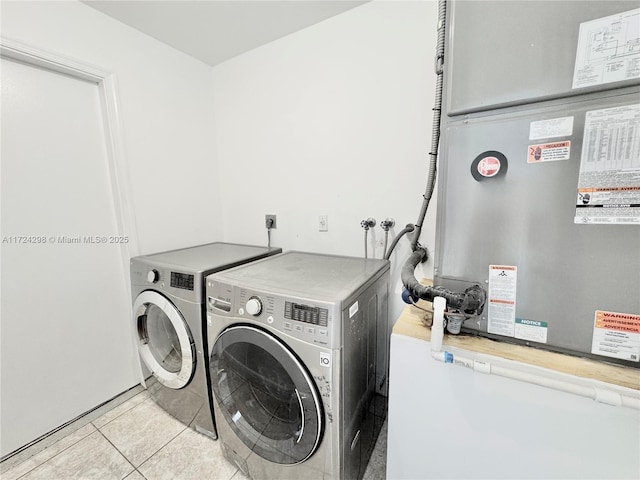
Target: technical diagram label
(502, 300)
(552, 128)
(616, 335)
(608, 50)
(531, 330)
(609, 181)
(549, 152)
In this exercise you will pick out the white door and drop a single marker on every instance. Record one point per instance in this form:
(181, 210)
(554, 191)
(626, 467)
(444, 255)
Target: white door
(66, 342)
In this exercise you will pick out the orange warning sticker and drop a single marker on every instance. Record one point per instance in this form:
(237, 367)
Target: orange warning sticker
(549, 152)
(616, 335)
(609, 189)
(621, 322)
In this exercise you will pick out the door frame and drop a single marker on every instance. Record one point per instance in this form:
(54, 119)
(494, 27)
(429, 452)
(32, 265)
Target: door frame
(107, 86)
(121, 194)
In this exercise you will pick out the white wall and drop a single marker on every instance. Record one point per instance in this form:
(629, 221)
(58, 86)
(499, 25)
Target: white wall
(332, 120)
(165, 100)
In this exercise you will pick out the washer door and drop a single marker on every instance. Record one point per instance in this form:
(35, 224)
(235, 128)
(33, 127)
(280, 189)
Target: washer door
(266, 395)
(164, 340)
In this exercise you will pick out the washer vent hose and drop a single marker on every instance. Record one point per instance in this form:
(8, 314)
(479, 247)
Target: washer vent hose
(472, 300)
(409, 228)
(435, 129)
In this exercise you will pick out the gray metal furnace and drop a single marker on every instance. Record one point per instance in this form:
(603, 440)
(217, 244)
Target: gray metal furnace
(539, 178)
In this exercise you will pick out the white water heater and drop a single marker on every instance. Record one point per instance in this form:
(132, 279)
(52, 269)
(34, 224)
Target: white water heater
(539, 176)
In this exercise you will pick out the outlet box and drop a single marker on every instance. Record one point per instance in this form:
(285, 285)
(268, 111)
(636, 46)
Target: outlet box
(323, 223)
(270, 221)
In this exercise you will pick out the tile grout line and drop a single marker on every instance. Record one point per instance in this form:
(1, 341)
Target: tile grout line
(154, 453)
(117, 450)
(95, 429)
(51, 458)
(49, 439)
(167, 444)
(119, 415)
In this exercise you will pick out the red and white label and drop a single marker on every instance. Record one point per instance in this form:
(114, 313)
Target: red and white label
(501, 311)
(489, 166)
(549, 152)
(616, 335)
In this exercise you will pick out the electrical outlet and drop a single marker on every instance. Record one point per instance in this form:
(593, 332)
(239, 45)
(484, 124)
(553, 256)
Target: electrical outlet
(323, 223)
(270, 221)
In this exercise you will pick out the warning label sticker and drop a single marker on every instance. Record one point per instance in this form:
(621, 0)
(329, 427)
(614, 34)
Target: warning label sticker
(501, 310)
(616, 335)
(549, 152)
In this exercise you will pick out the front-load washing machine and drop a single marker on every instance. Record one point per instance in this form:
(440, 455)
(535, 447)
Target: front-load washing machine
(293, 362)
(168, 316)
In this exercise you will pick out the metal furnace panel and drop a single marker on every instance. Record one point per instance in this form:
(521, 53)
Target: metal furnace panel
(502, 53)
(525, 218)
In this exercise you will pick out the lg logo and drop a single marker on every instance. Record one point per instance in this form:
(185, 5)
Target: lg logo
(325, 359)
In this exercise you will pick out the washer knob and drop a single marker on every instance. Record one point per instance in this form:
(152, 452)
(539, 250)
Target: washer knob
(254, 306)
(153, 276)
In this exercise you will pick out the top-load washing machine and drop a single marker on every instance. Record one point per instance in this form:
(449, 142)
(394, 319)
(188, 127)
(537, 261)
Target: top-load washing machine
(168, 315)
(293, 343)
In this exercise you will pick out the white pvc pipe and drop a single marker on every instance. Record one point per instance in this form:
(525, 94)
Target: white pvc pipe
(602, 395)
(437, 329)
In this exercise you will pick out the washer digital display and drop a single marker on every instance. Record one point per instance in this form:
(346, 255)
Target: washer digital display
(306, 313)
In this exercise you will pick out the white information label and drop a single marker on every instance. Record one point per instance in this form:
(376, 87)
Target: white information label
(531, 330)
(609, 180)
(502, 300)
(552, 128)
(353, 309)
(616, 335)
(608, 50)
(325, 359)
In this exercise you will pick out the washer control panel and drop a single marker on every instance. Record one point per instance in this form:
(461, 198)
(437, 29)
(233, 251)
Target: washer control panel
(306, 313)
(304, 319)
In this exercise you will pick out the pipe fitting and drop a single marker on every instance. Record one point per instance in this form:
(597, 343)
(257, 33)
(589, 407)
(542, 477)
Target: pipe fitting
(387, 223)
(471, 301)
(368, 223)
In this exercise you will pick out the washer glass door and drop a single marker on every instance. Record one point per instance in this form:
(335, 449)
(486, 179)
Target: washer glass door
(266, 395)
(164, 340)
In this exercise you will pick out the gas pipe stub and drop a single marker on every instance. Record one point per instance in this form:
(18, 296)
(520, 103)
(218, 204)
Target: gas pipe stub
(489, 164)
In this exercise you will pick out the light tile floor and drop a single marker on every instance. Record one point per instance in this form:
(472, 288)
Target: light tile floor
(132, 438)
